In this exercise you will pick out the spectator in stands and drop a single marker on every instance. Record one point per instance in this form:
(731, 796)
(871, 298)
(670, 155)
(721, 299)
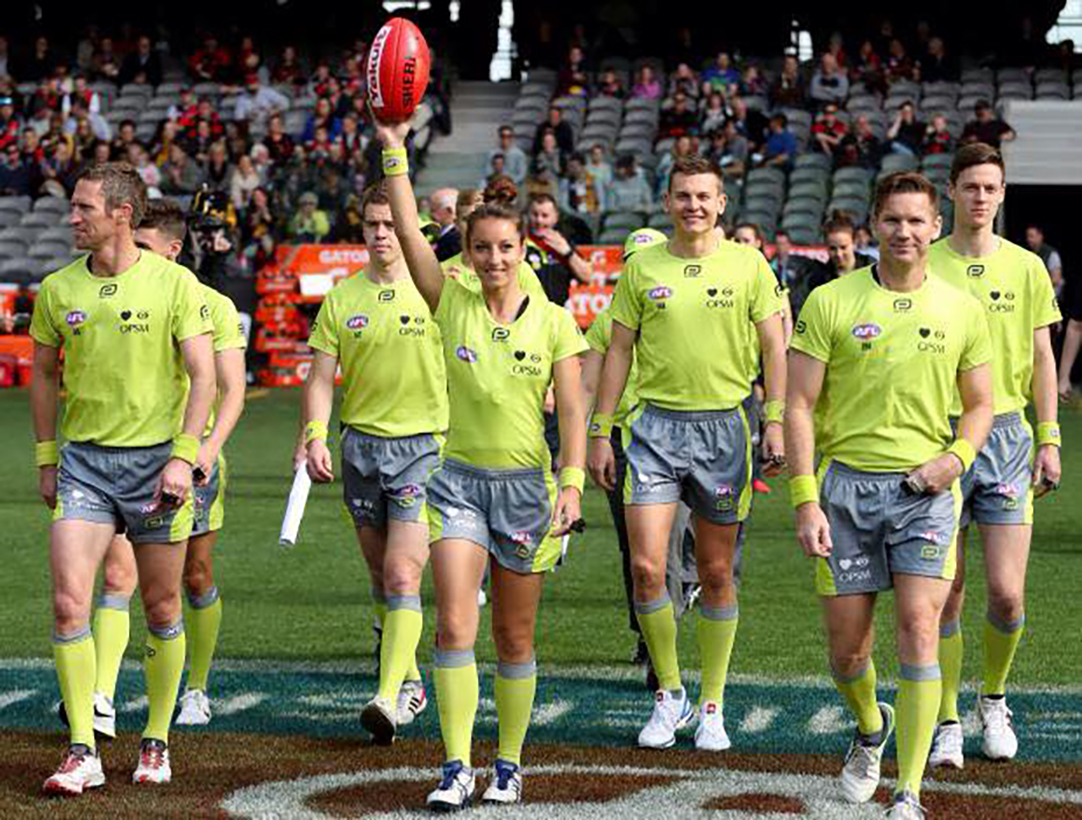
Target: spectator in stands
(867, 69)
(258, 228)
(309, 223)
(781, 147)
(1049, 255)
(730, 150)
(125, 136)
(721, 75)
(573, 79)
(987, 127)
(244, 182)
(96, 123)
(198, 146)
(840, 233)
(217, 169)
(936, 66)
(598, 166)
(647, 87)
(180, 175)
(938, 139)
(323, 115)
(860, 147)
(449, 241)
(515, 161)
(714, 113)
(495, 168)
(350, 136)
(541, 180)
(899, 66)
(10, 122)
(186, 106)
(787, 91)
(288, 68)
(579, 192)
(610, 85)
(752, 83)
(80, 91)
(61, 170)
(682, 147)
(211, 63)
(5, 57)
(561, 128)
(679, 119)
(559, 263)
(790, 269)
(279, 144)
(204, 112)
(258, 102)
(749, 122)
(105, 65)
(628, 191)
(828, 131)
(17, 176)
(549, 158)
(142, 66)
(836, 48)
(906, 133)
(684, 81)
(39, 64)
(102, 152)
(829, 84)
(151, 175)
(865, 243)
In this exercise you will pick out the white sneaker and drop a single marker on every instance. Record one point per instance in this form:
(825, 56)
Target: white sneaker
(194, 709)
(947, 746)
(455, 790)
(378, 718)
(412, 700)
(1000, 741)
(710, 735)
(670, 715)
(906, 807)
(860, 774)
(104, 715)
(153, 763)
(80, 770)
(506, 785)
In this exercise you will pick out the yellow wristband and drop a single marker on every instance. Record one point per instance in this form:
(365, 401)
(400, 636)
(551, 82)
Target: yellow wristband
(965, 453)
(1048, 433)
(774, 411)
(46, 454)
(395, 162)
(600, 426)
(314, 430)
(572, 477)
(802, 489)
(186, 448)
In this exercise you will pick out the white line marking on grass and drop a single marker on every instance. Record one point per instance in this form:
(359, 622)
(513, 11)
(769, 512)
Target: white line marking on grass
(551, 712)
(971, 723)
(140, 704)
(829, 721)
(758, 720)
(9, 698)
(230, 706)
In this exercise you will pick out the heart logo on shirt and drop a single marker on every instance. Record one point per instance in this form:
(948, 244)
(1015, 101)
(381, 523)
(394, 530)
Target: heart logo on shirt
(845, 563)
(404, 319)
(125, 315)
(520, 354)
(994, 294)
(924, 332)
(711, 291)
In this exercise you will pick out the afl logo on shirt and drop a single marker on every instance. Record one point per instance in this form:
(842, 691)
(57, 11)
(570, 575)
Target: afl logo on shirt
(358, 322)
(465, 354)
(659, 293)
(866, 331)
(75, 318)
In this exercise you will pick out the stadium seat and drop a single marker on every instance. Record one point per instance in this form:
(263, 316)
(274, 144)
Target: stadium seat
(659, 220)
(978, 75)
(1053, 90)
(622, 220)
(8, 218)
(812, 160)
(763, 203)
(52, 204)
(10, 249)
(936, 161)
(1012, 75)
(638, 130)
(641, 115)
(819, 174)
(812, 206)
(804, 235)
(941, 88)
(1015, 91)
(640, 104)
(857, 207)
(985, 90)
(18, 271)
(615, 236)
(809, 187)
(638, 146)
(766, 220)
(797, 116)
(899, 162)
(49, 249)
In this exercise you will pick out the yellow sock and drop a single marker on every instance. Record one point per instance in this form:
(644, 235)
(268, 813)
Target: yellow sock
(951, 651)
(202, 624)
(112, 627)
(659, 631)
(919, 691)
(163, 666)
(716, 629)
(401, 632)
(457, 693)
(75, 661)
(859, 694)
(1000, 641)
(516, 686)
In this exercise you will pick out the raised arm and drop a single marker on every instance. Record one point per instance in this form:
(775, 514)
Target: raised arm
(421, 260)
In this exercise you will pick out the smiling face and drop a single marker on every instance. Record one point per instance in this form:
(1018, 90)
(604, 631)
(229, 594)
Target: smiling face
(694, 202)
(905, 225)
(496, 250)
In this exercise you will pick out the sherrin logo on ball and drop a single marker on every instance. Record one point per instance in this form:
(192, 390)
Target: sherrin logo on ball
(397, 70)
(867, 331)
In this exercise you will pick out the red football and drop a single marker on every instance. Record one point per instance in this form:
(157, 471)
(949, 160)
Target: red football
(397, 70)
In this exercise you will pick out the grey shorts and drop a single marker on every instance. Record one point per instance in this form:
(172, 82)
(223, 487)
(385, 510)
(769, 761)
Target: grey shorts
(387, 477)
(997, 489)
(879, 529)
(701, 458)
(507, 512)
(116, 485)
(208, 501)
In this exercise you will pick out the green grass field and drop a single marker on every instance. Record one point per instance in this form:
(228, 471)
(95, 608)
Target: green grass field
(312, 602)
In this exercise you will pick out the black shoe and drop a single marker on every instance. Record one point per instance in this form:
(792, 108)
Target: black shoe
(652, 683)
(641, 655)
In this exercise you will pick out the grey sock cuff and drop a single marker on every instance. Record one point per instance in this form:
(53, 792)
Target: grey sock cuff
(948, 629)
(395, 602)
(167, 633)
(75, 637)
(517, 671)
(1006, 627)
(453, 658)
(720, 613)
(847, 679)
(204, 600)
(919, 673)
(648, 607)
(112, 600)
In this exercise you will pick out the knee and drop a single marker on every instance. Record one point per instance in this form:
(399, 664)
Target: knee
(716, 575)
(848, 664)
(647, 575)
(1006, 606)
(198, 575)
(401, 578)
(456, 630)
(119, 579)
(952, 609)
(70, 613)
(918, 636)
(512, 645)
(161, 606)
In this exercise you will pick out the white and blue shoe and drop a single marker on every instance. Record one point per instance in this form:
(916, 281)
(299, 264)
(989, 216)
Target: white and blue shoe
(506, 785)
(455, 789)
(671, 713)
